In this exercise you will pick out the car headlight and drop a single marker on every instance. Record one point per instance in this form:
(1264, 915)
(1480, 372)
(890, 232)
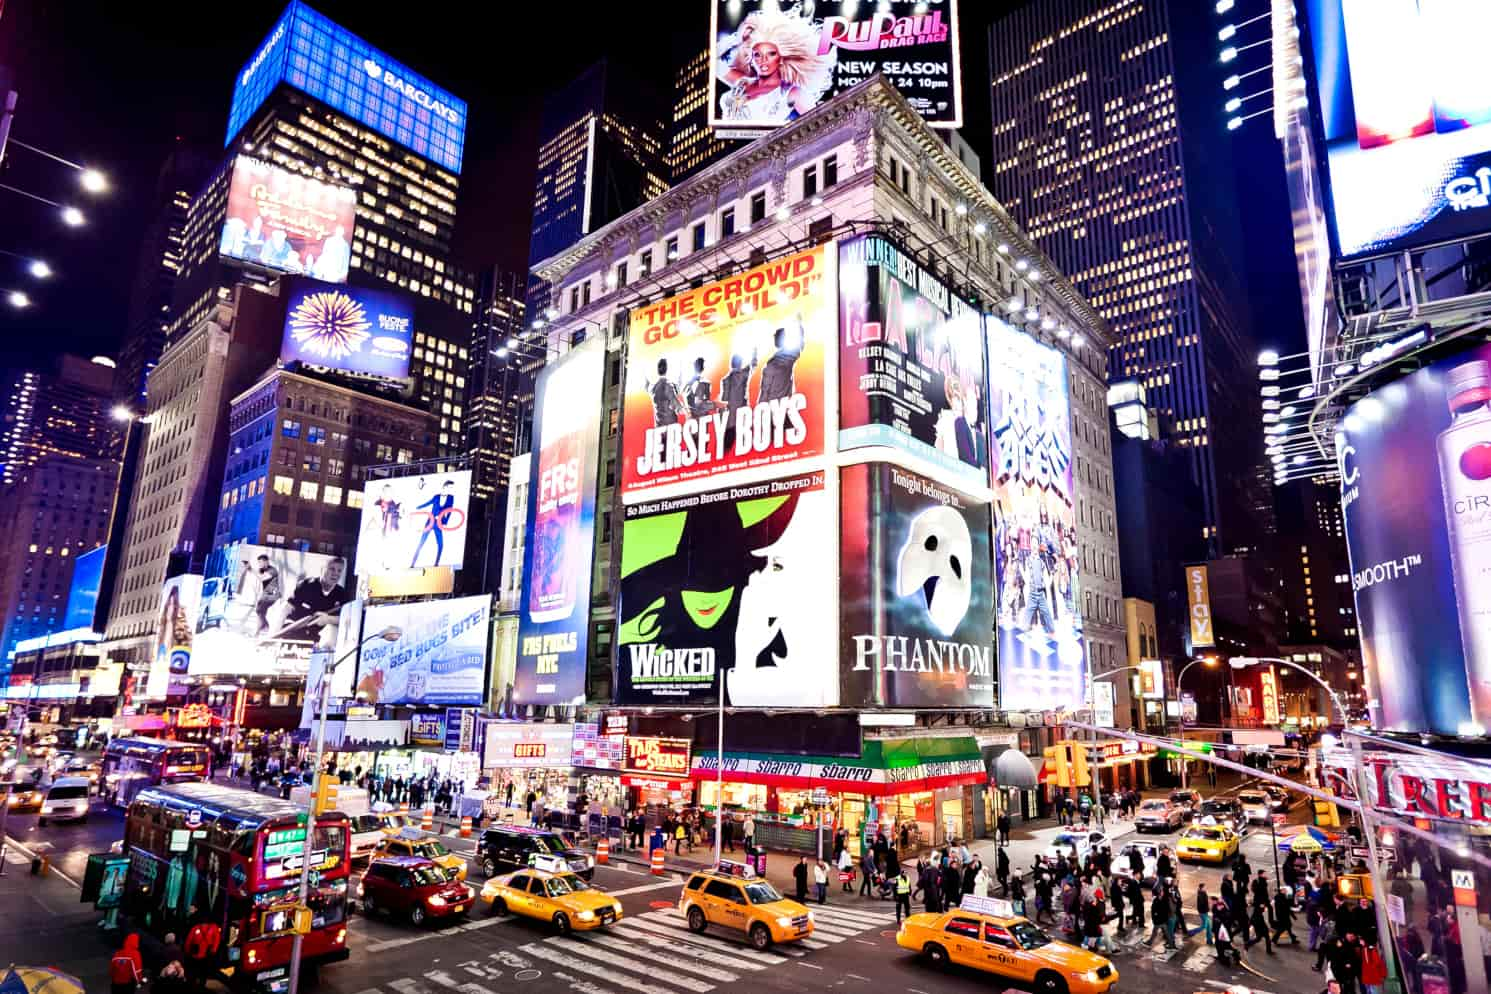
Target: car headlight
(810, 916)
(586, 916)
(590, 861)
(785, 921)
(437, 901)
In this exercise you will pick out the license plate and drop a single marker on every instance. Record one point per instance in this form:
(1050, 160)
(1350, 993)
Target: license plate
(608, 917)
(803, 930)
(460, 908)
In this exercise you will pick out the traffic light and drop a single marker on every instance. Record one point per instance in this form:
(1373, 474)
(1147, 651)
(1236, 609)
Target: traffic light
(325, 798)
(1081, 777)
(1353, 886)
(1057, 756)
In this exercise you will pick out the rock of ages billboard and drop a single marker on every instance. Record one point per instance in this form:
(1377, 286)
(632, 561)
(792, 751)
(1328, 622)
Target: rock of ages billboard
(916, 593)
(729, 376)
(911, 361)
(736, 583)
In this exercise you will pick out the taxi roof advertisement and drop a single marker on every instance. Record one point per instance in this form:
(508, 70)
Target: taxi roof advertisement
(730, 376)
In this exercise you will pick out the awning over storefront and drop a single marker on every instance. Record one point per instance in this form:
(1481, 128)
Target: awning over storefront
(884, 767)
(361, 736)
(145, 723)
(1012, 768)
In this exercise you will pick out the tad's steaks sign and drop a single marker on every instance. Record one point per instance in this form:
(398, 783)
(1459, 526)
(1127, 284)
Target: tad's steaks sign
(658, 756)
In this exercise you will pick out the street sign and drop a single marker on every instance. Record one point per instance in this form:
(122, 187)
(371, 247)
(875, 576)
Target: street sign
(1395, 910)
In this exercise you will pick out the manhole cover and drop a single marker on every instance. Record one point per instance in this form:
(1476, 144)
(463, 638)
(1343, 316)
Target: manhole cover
(526, 975)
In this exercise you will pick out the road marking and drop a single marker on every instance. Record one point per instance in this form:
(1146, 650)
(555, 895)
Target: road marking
(858, 977)
(864, 942)
(838, 932)
(810, 966)
(544, 952)
(30, 855)
(465, 987)
(595, 952)
(641, 888)
(692, 951)
(666, 959)
(671, 934)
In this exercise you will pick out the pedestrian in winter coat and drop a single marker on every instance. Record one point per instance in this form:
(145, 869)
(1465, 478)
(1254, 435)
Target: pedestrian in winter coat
(1136, 862)
(970, 873)
(1344, 954)
(1241, 871)
(820, 881)
(1260, 888)
(867, 868)
(892, 862)
(846, 871)
(1374, 970)
(952, 885)
(1115, 897)
(1226, 954)
(981, 883)
(1135, 898)
(1092, 925)
(1203, 911)
(1164, 867)
(1284, 917)
(931, 891)
(1002, 826)
(126, 969)
(1002, 871)
(800, 878)
(1258, 920)
(1159, 915)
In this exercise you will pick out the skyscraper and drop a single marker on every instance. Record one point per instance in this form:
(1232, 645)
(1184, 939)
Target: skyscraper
(1091, 100)
(65, 413)
(495, 385)
(692, 143)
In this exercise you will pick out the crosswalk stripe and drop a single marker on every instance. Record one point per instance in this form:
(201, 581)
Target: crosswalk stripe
(678, 962)
(678, 932)
(815, 943)
(706, 950)
(589, 969)
(595, 952)
(673, 920)
(839, 931)
(853, 915)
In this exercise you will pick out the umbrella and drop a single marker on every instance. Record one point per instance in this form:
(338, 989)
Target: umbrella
(39, 980)
(1297, 838)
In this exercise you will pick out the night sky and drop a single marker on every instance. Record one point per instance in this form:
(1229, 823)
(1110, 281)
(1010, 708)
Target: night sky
(114, 85)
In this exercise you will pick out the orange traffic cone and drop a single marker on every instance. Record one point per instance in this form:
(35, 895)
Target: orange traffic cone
(427, 820)
(466, 826)
(603, 851)
(657, 862)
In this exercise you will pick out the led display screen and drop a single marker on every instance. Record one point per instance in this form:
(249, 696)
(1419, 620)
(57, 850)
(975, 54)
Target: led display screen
(1406, 111)
(348, 329)
(288, 222)
(328, 62)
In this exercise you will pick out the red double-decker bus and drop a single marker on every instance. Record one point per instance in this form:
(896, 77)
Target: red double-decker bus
(202, 853)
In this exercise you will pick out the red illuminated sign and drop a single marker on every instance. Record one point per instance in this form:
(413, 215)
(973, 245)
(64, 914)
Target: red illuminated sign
(530, 750)
(664, 757)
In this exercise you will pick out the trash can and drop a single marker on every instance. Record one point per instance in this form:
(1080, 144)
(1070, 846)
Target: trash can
(758, 862)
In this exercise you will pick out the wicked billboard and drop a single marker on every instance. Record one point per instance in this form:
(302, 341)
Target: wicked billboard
(737, 582)
(916, 592)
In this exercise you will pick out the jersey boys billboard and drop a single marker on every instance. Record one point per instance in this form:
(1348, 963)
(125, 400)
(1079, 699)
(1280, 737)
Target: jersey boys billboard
(734, 583)
(554, 616)
(772, 62)
(1035, 536)
(917, 595)
(729, 376)
(911, 361)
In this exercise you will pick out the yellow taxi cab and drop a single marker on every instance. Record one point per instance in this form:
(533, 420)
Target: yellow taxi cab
(413, 842)
(392, 822)
(562, 898)
(732, 896)
(1207, 844)
(985, 934)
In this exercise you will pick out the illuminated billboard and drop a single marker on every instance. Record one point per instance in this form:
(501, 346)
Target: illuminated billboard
(729, 376)
(180, 602)
(911, 361)
(1035, 524)
(411, 522)
(734, 584)
(1415, 462)
(265, 608)
(773, 62)
(328, 62)
(440, 656)
(288, 222)
(916, 592)
(348, 329)
(82, 591)
(554, 616)
(1406, 114)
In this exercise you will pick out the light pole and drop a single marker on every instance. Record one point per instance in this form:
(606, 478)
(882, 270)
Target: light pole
(323, 700)
(719, 779)
(1358, 784)
(1185, 764)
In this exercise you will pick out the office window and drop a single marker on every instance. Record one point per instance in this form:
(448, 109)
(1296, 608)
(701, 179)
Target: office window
(309, 489)
(312, 463)
(644, 263)
(331, 495)
(830, 171)
(727, 222)
(758, 206)
(354, 498)
(698, 237)
(585, 294)
(284, 485)
(621, 275)
(809, 181)
(290, 429)
(315, 434)
(671, 248)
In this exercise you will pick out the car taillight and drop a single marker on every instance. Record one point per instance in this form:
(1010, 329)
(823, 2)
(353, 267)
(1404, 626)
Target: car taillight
(253, 956)
(341, 936)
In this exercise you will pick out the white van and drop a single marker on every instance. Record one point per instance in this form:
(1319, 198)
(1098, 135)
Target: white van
(66, 800)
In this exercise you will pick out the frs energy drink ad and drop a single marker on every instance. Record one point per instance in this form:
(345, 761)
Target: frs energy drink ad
(554, 621)
(729, 376)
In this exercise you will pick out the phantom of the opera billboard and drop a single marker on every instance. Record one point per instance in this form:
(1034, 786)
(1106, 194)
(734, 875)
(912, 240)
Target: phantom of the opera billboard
(729, 376)
(916, 592)
(1035, 526)
(773, 62)
(911, 361)
(735, 583)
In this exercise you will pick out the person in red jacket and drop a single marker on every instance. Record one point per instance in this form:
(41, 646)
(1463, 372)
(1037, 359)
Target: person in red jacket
(126, 970)
(1374, 970)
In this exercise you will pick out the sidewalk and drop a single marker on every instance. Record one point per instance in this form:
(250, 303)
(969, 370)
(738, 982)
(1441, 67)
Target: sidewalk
(44, 913)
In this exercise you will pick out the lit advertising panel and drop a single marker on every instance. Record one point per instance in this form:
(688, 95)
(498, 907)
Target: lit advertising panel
(729, 376)
(82, 591)
(916, 592)
(440, 656)
(736, 581)
(181, 598)
(504, 666)
(264, 608)
(1035, 524)
(558, 557)
(528, 744)
(1415, 462)
(411, 522)
(288, 222)
(772, 62)
(348, 329)
(1151, 679)
(655, 756)
(1198, 607)
(1406, 114)
(911, 361)
(328, 62)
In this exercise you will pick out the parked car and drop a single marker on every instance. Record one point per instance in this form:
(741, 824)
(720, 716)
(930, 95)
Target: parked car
(66, 800)
(1156, 815)
(1255, 806)
(505, 848)
(409, 885)
(1078, 842)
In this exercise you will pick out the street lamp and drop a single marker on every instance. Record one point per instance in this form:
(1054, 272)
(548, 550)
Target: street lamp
(1364, 807)
(94, 181)
(18, 300)
(390, 634)
(39, 269)
(72, 217)
(1210, 662)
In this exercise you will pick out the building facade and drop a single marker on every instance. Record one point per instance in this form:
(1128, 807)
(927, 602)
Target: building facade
(1103, 148)
(62, 412)
(692, 143)
(299, 452)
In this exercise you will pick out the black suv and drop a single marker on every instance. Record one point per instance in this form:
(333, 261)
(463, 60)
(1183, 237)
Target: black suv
(1225, 811)
(504, 848)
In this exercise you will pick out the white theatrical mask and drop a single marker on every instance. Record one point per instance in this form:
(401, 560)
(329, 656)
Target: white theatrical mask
(938, 559)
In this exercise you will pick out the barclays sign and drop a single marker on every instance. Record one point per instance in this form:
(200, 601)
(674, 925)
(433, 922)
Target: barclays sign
(392, 80)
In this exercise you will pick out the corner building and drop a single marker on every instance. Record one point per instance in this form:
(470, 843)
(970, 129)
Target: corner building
(857, 184)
